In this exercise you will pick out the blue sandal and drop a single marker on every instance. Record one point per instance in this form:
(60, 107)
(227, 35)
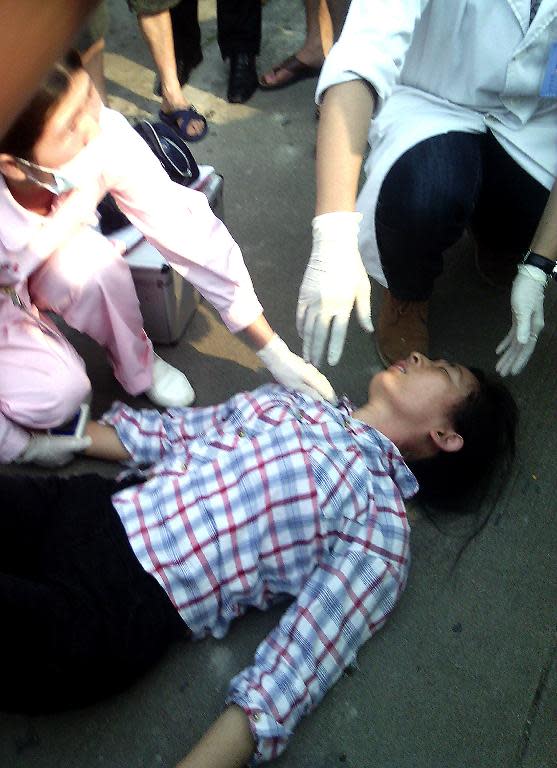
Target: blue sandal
(180, 119)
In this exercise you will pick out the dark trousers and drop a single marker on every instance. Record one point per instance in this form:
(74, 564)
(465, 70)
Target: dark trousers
(80, 617)
(238, 28)
(436, 190)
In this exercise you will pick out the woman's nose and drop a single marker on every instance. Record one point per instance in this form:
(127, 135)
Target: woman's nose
(416, 358)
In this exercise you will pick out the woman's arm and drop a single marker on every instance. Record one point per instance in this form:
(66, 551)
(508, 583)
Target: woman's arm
(105, 443)
(545, 237)
(227, 744)
(344, 121)
(335, 278)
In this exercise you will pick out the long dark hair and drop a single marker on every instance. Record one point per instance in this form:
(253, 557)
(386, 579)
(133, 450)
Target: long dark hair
(27, 129)
(487, 420)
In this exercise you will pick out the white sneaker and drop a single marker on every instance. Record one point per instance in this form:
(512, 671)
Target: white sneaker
(170, 388)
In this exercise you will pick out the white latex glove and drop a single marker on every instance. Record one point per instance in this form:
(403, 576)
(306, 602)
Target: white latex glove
(527, 310)
(52, 450)
(335, 279)
(291, 371)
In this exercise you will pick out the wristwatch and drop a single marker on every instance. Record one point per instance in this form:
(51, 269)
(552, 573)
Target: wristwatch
(541, 262)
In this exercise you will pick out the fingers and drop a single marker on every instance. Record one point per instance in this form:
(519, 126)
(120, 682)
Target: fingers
(339, 328)
(502, 346)
(317, 385)
(300, 317)
(505, 362)
(514, 360)
(320, 335)
(309, 324)
(363, 307)
(522, 327)
(523, 355)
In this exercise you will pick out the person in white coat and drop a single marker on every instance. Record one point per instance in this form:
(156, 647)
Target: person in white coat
(449, 97)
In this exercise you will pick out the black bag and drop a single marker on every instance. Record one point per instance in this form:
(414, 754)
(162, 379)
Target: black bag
(174, 156)
(171, 150)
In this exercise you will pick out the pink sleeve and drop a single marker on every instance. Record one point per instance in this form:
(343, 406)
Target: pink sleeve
(13, 440)
(179, 223)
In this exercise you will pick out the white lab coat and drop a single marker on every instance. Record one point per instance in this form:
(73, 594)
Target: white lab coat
(446, 65)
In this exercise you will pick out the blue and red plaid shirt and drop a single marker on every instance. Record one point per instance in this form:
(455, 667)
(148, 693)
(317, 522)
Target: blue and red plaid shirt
(269, 495)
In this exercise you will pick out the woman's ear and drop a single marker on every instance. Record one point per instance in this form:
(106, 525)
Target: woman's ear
(9, 167)
(447, 440)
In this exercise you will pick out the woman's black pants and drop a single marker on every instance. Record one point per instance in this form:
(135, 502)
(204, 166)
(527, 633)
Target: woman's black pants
(436, 190)
(80, 617)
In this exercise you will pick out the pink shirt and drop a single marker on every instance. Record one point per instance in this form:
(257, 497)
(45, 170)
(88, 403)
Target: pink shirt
(176, 220)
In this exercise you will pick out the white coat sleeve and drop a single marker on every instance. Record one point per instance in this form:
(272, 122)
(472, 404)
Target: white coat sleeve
(373, 45)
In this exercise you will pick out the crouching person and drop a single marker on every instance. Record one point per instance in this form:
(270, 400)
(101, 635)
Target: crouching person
(271, 494)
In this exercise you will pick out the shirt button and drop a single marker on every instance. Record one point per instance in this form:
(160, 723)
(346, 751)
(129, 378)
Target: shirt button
(241, 433)
(256, 716)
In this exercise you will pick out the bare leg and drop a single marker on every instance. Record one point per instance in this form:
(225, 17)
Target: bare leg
(157, 31)
(93, 61)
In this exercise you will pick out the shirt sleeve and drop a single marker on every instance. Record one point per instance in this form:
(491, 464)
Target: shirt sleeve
(179, 222)
(373, 45)
(13, 440)
(345, 601)
(148, 435)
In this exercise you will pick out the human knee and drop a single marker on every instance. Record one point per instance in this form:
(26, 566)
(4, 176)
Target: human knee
(60, 400)
(428, 190)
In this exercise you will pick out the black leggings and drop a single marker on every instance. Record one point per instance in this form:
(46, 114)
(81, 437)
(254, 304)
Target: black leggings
(81, 619)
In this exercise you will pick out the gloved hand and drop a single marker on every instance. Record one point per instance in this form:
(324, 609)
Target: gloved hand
(527, 310)
(335, 279)
(52, 450)
(291, 371)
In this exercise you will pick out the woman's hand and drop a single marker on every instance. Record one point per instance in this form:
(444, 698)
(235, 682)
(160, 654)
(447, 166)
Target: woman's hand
(227, 744)
(293, 372)
(334, 282)
(527, 310)
(52, 451)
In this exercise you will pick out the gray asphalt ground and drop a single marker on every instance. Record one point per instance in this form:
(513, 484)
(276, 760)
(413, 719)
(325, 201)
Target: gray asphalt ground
(463, 675)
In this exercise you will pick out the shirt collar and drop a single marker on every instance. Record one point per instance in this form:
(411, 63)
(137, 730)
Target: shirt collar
(395, 465)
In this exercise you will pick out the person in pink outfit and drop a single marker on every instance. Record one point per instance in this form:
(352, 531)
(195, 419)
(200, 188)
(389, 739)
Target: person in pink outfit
(60, 158)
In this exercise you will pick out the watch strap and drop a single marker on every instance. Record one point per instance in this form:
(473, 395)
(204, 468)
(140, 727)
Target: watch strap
(542, 262)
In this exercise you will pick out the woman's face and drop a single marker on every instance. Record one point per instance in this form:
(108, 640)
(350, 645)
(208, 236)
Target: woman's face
(423, 392)
(73, 123)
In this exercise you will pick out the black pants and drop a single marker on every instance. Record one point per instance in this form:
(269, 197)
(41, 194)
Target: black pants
(80, 617)
(238, 28)
(437, 189)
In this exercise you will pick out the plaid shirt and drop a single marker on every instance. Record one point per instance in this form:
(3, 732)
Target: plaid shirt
(271, 494)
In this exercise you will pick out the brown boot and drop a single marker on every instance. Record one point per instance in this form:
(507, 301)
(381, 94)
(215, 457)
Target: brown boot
(401, 328)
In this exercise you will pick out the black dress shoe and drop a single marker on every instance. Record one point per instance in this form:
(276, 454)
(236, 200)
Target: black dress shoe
(242, 81)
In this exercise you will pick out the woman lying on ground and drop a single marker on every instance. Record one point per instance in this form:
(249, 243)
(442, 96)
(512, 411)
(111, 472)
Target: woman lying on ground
(60, 158)
(271, 494)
